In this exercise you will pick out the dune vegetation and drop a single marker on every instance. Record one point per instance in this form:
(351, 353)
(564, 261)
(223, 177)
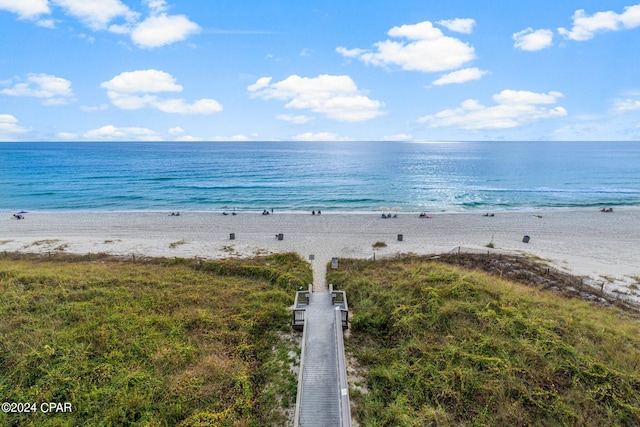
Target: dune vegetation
(437, 344)
(151, 342)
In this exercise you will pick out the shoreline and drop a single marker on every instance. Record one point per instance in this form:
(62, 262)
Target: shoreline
(604, 247)
(591, 208)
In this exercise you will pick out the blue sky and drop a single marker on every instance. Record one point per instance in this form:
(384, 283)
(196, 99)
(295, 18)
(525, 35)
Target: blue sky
(81, 70)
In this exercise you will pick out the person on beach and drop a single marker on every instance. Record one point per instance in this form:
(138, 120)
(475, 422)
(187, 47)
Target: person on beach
(313, 212)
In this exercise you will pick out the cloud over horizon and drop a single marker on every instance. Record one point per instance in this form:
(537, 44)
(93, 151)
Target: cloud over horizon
(335, 97)
(422, 48)
(9, 127)
(134, 90)
(513, 109)
(51, 89)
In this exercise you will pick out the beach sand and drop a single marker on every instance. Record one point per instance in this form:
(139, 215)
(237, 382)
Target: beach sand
(602, 246)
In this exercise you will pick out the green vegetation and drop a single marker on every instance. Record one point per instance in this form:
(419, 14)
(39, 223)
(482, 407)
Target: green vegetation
(153, 343)
(440, 345)
(378, 245)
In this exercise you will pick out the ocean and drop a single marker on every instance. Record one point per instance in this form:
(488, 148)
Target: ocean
(330, 176)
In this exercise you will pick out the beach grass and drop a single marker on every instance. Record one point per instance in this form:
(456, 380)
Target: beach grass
(155, 342)
(441, 345)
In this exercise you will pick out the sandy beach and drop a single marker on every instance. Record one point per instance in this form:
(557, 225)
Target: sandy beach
(602, 246)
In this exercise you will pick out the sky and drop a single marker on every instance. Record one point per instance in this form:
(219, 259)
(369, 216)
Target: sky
(311, 70)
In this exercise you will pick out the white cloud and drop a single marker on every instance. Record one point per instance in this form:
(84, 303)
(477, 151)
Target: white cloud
(67, 135)
(460, 76)
(53, 90)
(624, 105)
(142, 81)
(162, 30)
(111, 132)
(335, 97)
(176, 131)
(156, 6)
(427, 50)
(532, 40)
(180, 106)
(94, 108)
(398, 137)
(320, 136)
(132, 91)
(156, 30)
(188, 138)
(9, 127)
(459, 25)
(513, 109)
(586, 26)
(298, 120)
(26, 9)
(234, 138)
(350, 53)
(96, 14)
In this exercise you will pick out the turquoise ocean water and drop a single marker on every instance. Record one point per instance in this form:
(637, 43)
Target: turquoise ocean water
(332, 176)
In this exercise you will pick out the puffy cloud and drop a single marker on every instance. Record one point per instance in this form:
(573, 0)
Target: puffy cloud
(586, 26)
(161, 30)
(298, 120)
(460, 76)
(335, 97)
(156, 30)
(133, 90)
(26, 9)
(459, 25)
(532, 40)
(53, 90)
(624, 105)
(156, 6)
(427, 50)
(176, 131)
(111, 132)
(513, 109)
(96, 14)
(9, 127)
(320, 136)
(144, 81)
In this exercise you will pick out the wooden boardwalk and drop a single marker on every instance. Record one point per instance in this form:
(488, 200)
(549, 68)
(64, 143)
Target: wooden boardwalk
(323, 398)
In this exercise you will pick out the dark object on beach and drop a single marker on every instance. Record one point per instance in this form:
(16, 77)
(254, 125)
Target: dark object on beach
(232, 236)
(313, 212)
(174, 214)
(606, 210)
(280, 236)
(400, 237)
(488, 214)
(319, 212)
(265, 212)
(18, 216)
(525, 239)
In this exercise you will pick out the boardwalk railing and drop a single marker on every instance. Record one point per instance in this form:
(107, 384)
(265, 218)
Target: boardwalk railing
(299, 309)
(343, 387)
(339, 299)
(296, 419)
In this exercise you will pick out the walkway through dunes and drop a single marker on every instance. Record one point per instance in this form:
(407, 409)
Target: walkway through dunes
(323, 397)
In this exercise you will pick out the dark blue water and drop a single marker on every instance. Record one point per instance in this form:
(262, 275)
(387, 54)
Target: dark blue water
(300, 176)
